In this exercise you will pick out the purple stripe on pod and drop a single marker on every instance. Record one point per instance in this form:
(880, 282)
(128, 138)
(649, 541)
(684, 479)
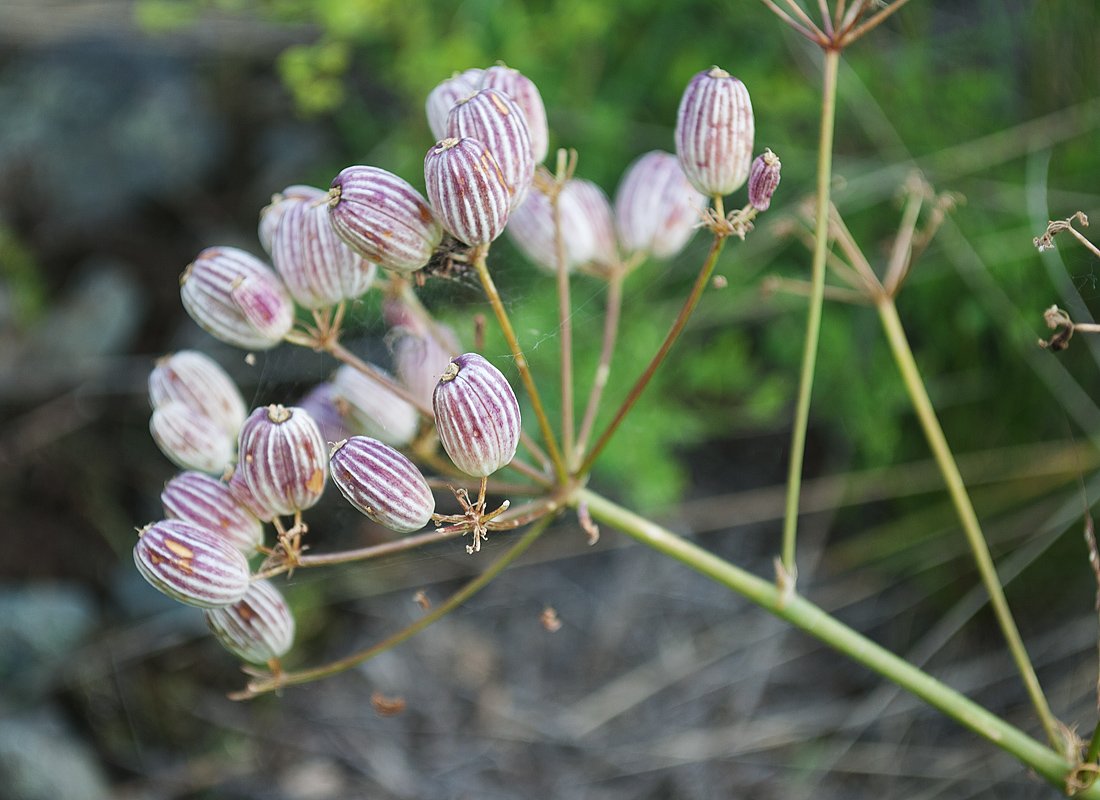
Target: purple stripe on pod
(596, 209)
(190, 439)
(237, 298)
(443, 97)
(208, 503)
(421, 358)
(382, 483)
(373, 409)
(656, 209)
(714, 132)
(282, 459)
(494, 120)
(323, 404)
(586, 226)
(467, 190)
(477, 415)
(257, 628)
(318, 268)
(763, 179)
(190, 564)
(199, 382)
(525, 94)
(238, 487)
(273, 212)
(383, 218)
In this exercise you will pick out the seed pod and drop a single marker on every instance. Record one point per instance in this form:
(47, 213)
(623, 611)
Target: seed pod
(257, 628)
(585, 225)
(237, 298)
(318, 268)
(442, 98)
(190, 439)
(373, 409)
(420, 360)
(282, 459)
(477, 415)
(191, 564)
(656, 209)
(524, 94)
(238, 487)
(208, 503)
(323, 404)
(199, 382)
(714, 131)
(466, 190)
(382, 483)
(383, 218)
(494, 120)
(596, 209)
(763, 178)
(273, 212)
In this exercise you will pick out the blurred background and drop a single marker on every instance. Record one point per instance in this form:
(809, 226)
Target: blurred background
(134, 134)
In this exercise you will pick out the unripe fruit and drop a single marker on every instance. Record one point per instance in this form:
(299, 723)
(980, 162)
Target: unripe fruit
(373, 409)
(477, 415)
(443, 97)
(714, 132)
(383, 218)
(763, 178)
(191, 564)
(238, 487)
(586, 227)
(282, 459)
(208, 503)
(190, 439)
(421, 358)
(496, 121)
(596, 209)
(273, 212)
(467, 190)
(656, 209)
(237, 298)
(382, 483)
(524, 94)
(199, 382)
(257, 628)
(323, 404)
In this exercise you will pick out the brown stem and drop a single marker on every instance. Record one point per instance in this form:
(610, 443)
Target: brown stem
(873, 22)
(603, 370)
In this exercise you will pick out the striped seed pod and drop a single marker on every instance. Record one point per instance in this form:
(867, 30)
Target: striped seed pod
(763, 178)
(656, 209)
(257, 628)
(586, 227)
(477, 415)
(199, 382)
(420, 358)
(208, 503)
(191, 440)
(526, 95)
(282, 459)
(318, 268)
(443, 97)
(237, 298)
(596, 209)
(273, 212)
(323, 405)
(191, 564)
(238, 487)
(382, 483)
(466, 190)
(493, 119)
(714, 132)
(373, 409)
(383, 218)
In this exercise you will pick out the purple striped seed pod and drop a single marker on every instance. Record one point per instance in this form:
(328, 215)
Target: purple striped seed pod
(714, 131)
(273, 212)
(383, 218)
(421, 358)
(596, 208)
(524, 94)
(477, 415)
(238, 487)
(493, 119)
(208, 503)
(373, 409)
(467, 190)
(443, 97)
(199, 382)
(318, 268)
(237, 298)
(282, 459)
(191, 564)
(585, 223)
(323, 404)
(763, 178)
(257, 628)
(656, 209)
(382, 483)
(191, 440)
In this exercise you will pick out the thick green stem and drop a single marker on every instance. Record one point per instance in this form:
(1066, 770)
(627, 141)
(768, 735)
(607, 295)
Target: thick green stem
(899, 344)
(813, 324)
(805, 615)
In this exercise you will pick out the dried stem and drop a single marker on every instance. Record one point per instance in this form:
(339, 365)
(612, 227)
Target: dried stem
(603, 369)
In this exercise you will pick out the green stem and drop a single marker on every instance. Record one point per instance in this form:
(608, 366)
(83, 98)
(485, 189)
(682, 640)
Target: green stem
(521, 362)
(813, 324)
(805, 615)
(639, 387)
(565, 329)
(907, 365)
(603, 370)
